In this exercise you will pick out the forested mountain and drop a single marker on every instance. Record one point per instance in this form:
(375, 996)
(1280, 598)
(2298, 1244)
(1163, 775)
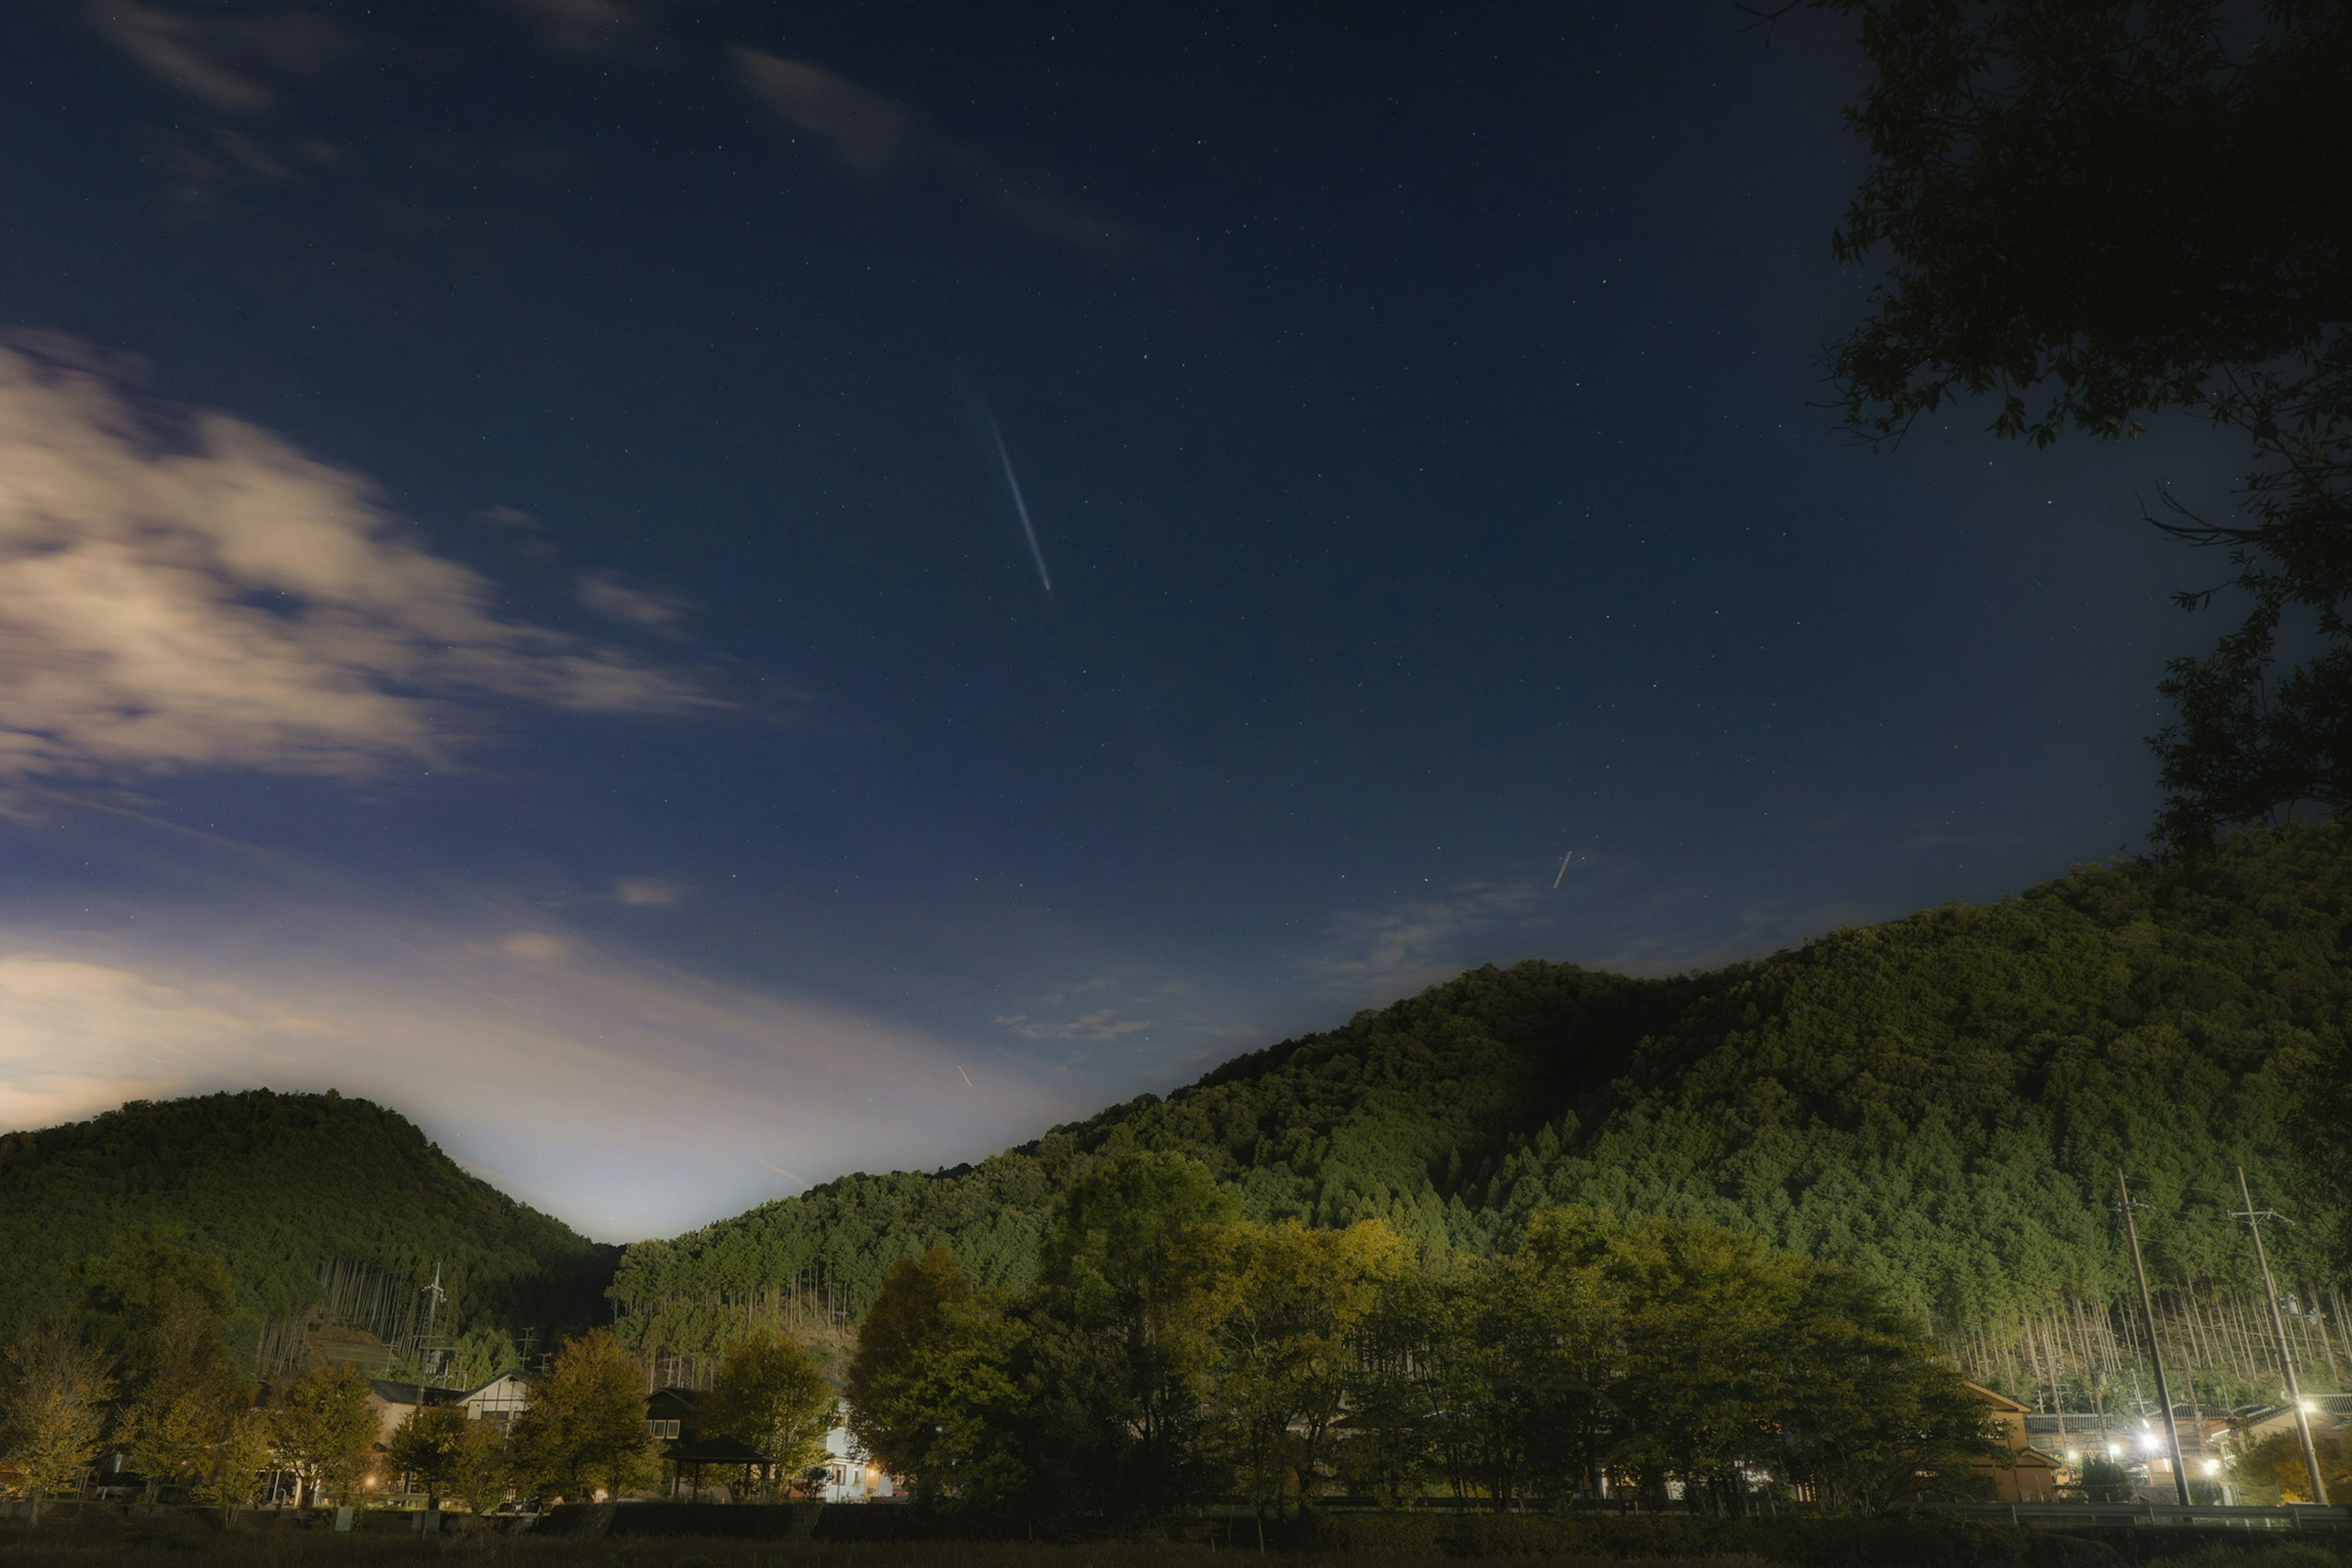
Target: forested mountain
(275, 1185)
(1943, 1100)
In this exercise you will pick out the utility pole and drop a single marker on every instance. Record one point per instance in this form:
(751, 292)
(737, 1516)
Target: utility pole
(2286, 1358)
(2154, 1353)
(424, 1346)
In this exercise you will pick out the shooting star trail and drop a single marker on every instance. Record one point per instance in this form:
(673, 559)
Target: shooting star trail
(1563, 868)
(1020, 503)
(965, 1076)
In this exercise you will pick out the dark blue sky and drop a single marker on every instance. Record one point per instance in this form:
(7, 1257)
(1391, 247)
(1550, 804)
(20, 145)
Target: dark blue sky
(516, 610)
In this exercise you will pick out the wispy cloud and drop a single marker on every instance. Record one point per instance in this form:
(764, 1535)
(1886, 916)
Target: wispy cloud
(648, 892)
(879, 137)
(223, 62)
(1415, 943)
(183, 590)
(654, 609)
(1102, 1023)
(579, 26)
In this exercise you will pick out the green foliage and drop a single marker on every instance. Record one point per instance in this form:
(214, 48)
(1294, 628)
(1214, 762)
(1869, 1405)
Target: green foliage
(770, 1394)
(1655, 1353)
(585, 1429)
(2274, 1470)
(267, 1186)
(54, 1388)
(191, 1418)
(445, 1453)
(1939, 1103)
(230, 1476)
(932, 1389)
(154, 1300)
(2111, 208)
(194, 1426)
(1113, 1370)
(481, 1354)
(2105, 1480)
(324, 1429)
(1281, 1308)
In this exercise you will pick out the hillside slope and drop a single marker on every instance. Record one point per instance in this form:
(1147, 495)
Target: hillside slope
(275, 1184)
(1943, 1099)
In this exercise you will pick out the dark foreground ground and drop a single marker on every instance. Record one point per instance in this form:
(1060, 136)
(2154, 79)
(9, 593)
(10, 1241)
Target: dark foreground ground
(1341, 1541)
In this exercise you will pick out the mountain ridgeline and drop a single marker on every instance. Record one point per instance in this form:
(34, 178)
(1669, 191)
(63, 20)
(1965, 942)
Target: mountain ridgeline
(1942, 1101)
(277, 1187)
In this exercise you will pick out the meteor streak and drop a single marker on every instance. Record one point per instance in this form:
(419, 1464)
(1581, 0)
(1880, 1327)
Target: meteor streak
(1020, 504)
(1563, 868)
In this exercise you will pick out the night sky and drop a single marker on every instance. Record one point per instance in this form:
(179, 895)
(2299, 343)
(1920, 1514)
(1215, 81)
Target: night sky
(511, 602)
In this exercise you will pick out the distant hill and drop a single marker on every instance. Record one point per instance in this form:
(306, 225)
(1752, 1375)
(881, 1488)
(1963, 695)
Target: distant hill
(278, 1186)
(1943, 1100)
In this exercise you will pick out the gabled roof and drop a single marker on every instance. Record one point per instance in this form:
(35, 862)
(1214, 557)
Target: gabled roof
(2001, 1402)
(526, 1379)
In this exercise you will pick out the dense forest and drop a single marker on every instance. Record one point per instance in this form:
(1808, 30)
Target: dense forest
(1941, 1101)
(277, 1187)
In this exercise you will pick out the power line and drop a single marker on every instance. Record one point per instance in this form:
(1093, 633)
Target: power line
(2253, 1219)
(2155, 1351)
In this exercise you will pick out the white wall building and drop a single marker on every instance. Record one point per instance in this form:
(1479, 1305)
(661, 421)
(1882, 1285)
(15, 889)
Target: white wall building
(850, 1476)
(499, 1401)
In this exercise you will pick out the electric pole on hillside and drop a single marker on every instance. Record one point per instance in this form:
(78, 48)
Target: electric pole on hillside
(424, 1344)
(2154, 1352)
(2286, 1358)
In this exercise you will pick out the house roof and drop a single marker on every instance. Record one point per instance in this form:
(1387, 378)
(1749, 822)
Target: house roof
(517, 1374)
(2001, 1402)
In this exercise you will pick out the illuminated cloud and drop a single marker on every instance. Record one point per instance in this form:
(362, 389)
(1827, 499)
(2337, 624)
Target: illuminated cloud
(879, 137)
(196, 593)
(604, 593)
(578, 26)
(1102, 1023)
(60, 1015)
(646, 892)
(1387, 953)
(625, 1096)
(221, 60)
(532, 947)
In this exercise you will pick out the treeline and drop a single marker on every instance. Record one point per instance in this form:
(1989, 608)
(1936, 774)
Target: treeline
(1940, 1102)
(271, 1186)
(142, 1365)
(1170, 1350)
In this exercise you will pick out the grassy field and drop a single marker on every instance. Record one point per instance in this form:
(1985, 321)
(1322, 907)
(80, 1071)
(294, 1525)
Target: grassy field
(1901, 1542)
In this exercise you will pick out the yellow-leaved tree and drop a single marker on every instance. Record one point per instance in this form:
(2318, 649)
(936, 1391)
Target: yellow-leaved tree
(1280, 1312)
(585, 1429)
(54, 1385)
(770, 1394)
(324, 1430)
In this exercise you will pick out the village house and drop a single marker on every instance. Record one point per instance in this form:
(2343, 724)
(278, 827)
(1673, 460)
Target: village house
(2028, 1475)
(671, 1415)
(395, 1402)
(500, 1400)
(851, 1476)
